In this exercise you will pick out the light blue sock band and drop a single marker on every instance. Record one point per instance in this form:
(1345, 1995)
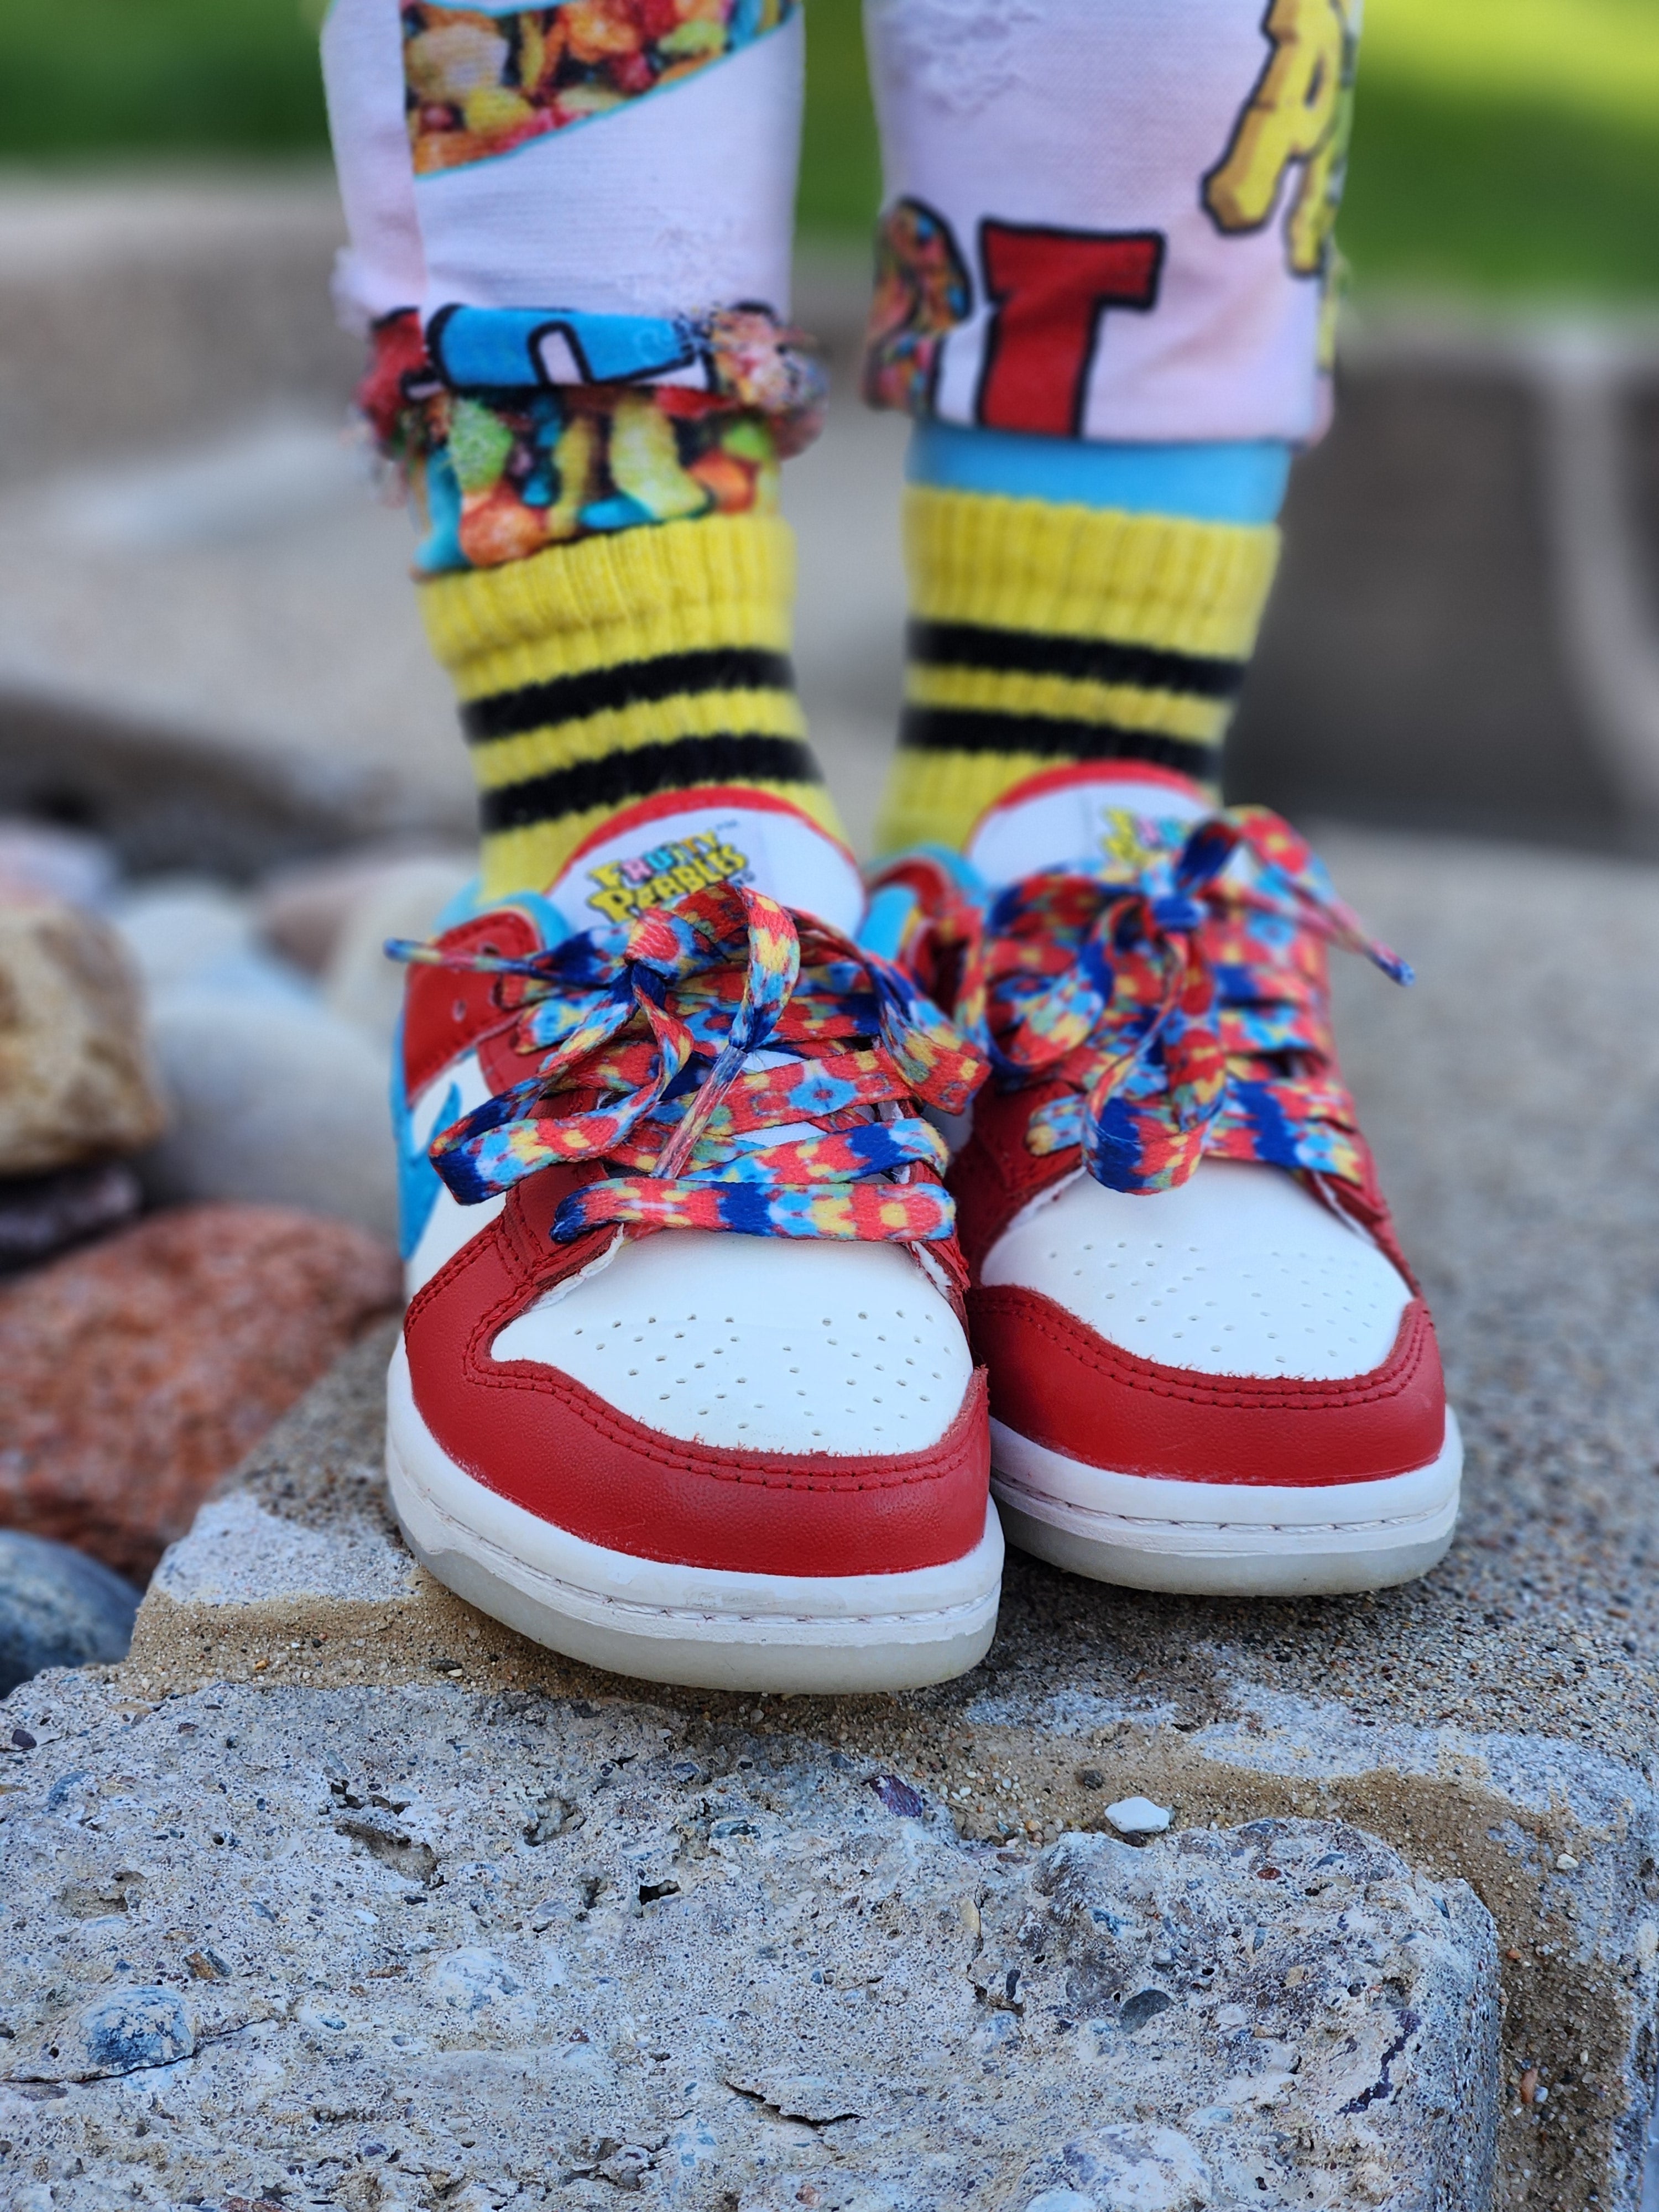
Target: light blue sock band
(1241, 480)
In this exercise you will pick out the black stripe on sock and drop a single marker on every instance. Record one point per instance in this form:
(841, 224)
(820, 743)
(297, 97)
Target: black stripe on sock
(955, 730)
(641, 771)
(1082, 660)
(628, 683)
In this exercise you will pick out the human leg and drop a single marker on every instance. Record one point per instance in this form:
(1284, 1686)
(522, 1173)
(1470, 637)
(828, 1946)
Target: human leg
(684, 1387)
(1104, 293)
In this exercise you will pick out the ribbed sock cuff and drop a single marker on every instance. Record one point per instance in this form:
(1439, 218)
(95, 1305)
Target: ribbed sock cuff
(598, 674)
(1042, 633)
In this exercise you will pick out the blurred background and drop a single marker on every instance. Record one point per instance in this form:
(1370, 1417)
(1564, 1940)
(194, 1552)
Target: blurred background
(1464, 636)
(228, 769)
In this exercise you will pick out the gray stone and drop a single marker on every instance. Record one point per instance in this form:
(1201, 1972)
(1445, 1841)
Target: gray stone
(275, 1100)
(277, 1096)
(58, 1608)
(254, 1933)
(37, 859)
(271, 656)
(173, 391)
(179, 927)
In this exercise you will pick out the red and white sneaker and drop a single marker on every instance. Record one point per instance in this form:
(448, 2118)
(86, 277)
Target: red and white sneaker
(1210, 1369)
(684, 1388)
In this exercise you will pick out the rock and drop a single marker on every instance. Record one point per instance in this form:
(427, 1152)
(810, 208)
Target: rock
(360, 983)
(177, 927)
(131, 2031)
(76, 1080)
(58, 1608)
(41, 1214)
(39, 860)
(737, 1979)
(276, 1101)
(139, 1372)
(1137, 1816)
(303, 911)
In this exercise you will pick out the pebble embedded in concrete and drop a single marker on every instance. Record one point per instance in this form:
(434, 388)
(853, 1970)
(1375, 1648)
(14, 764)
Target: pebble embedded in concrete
(1138, 1816)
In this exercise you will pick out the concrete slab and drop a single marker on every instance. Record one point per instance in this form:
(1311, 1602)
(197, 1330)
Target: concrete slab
(1495, 1722)
(333, 1947)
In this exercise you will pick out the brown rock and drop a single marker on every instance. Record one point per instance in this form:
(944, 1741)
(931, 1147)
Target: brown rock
(74, 1075)
(139, 1372)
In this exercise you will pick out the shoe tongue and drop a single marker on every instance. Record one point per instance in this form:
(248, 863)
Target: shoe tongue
(651, 855)
(1077, 815)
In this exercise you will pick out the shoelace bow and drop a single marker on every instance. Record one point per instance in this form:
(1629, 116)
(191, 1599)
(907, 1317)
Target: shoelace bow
(645, 1058)
(1181, 999)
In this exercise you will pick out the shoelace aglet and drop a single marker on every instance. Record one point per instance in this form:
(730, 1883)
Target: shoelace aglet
(415, 954)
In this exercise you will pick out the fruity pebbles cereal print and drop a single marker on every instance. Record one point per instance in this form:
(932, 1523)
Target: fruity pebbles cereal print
(922, 292)
(481, 83)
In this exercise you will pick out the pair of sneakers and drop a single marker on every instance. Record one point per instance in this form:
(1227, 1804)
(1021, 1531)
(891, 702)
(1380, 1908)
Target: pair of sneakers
(752, 1299)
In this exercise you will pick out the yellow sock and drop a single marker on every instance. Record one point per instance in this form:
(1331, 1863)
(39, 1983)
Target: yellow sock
(596, 674)
(1043, 633)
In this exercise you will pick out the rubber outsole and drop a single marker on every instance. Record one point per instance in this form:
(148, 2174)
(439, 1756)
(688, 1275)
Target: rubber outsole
(1225, 1540)
(703, 1628)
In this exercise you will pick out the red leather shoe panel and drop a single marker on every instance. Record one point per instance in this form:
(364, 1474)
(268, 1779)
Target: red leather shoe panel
(542, 1439)
(1055, 1381)
(447, 1013)
(994, 1175)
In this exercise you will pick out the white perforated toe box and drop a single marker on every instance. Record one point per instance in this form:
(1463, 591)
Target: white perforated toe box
(759, 1343)
(1239, 1272)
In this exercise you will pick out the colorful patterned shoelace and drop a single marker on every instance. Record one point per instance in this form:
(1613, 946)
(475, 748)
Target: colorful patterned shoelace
(1180, 997)
(735, 1066)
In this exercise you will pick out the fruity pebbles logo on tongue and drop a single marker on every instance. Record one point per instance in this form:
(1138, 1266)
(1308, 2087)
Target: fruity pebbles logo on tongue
(624, 890)
(657, 853)
(1083, 816)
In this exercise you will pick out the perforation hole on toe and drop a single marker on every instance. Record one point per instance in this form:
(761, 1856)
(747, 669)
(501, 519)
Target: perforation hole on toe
(839, 1347)
(1240, 1272)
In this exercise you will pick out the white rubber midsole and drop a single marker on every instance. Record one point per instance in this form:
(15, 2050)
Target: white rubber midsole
(710, 1627)
(1153, 1533)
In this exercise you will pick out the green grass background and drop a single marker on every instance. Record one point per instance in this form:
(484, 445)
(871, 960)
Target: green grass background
(1501, 147)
